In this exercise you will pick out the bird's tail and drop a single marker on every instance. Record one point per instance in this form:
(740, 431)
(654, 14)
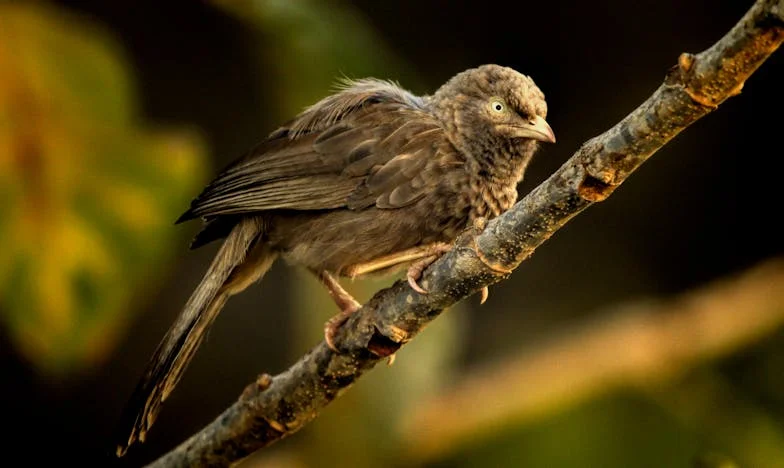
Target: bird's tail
(242, 259)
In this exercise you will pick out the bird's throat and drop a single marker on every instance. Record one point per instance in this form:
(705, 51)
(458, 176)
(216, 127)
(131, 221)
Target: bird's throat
(494, 175)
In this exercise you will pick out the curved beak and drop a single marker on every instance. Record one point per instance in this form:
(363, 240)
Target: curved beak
(537, 129)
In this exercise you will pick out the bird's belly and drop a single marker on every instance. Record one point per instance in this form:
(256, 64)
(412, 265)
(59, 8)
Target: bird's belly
(339, 240)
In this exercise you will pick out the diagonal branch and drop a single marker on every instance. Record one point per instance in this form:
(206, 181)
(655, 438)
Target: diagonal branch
(275, 407)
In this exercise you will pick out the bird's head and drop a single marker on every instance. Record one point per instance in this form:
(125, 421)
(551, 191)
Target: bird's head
(488, 106)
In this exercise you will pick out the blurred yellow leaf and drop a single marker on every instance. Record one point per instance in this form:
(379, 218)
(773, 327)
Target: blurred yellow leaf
(87, 196)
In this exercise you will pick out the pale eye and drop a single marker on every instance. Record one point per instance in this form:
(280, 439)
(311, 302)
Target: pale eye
(497, 106)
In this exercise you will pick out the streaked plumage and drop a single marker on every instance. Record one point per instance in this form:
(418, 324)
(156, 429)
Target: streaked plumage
(368, 173)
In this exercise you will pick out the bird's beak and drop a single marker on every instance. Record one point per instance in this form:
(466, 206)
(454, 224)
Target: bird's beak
(537, 129)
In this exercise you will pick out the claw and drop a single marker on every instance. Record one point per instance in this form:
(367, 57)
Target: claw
(332, 326)
(485, 293)
(415, 270)
(412, 281)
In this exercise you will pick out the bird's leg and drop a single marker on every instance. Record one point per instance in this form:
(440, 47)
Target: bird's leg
(385, 263)
(345, 302)
(415, 271)
(395, 259)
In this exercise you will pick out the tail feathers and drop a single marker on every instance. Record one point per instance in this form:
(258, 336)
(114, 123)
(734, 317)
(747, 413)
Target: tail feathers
(241, 260)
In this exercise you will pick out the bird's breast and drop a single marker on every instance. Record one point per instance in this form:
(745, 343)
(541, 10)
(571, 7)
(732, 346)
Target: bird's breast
(488, 200)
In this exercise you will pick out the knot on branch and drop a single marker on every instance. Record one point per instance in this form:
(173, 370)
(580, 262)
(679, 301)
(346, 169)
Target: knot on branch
(594, 189)
(683, 77)
(600, 170)
(497, 268)
(469, 240)
(382, 345)
(262, 383)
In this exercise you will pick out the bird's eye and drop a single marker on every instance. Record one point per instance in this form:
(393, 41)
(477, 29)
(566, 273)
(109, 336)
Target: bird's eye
(497, 106)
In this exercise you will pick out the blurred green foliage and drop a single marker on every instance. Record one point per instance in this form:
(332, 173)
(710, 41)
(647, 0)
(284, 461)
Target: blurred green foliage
(87, 193)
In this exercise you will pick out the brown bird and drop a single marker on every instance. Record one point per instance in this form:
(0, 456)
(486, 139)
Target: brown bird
(367, 180)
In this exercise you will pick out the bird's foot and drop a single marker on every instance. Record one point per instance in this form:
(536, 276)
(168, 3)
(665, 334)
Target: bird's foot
(345, 302)
(415, 270)
(479, 224)
(332, 325)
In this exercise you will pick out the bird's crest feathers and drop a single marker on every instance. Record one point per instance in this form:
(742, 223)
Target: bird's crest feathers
(351, 95)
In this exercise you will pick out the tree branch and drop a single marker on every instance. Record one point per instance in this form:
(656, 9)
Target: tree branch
(275, 407)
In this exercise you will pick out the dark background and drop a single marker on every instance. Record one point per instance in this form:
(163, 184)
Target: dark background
(703, 207)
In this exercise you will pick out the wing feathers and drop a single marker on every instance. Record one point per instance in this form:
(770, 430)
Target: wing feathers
(352, 95)
(365, 145)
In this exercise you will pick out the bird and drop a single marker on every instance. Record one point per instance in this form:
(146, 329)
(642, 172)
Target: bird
(368, 180)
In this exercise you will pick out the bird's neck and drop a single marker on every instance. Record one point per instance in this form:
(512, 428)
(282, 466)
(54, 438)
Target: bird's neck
(501, 162)
(494, 173)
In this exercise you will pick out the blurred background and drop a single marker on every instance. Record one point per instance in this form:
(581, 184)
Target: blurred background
(647, 333)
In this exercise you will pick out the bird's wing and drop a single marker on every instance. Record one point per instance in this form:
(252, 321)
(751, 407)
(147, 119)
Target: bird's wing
(365, 145)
